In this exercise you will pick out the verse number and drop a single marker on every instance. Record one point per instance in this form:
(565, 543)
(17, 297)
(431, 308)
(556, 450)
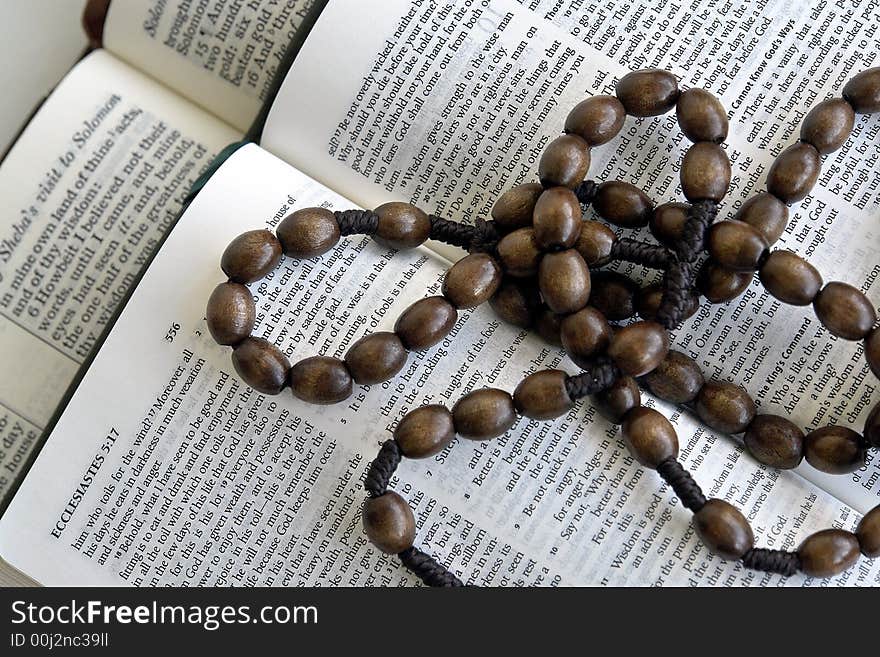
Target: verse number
(172, 332)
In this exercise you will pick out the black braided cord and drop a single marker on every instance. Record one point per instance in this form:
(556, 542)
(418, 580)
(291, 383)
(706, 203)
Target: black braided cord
(599, 376)
(772, 561)
(482, 236)
(586, 191)
(427, 569)
(357, 222)
(687, 490)
(641, 253)
(382, 468)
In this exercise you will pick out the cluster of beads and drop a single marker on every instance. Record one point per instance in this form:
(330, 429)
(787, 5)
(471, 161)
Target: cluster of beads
(533, 263)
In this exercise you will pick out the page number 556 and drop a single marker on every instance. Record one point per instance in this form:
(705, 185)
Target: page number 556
(172, 332)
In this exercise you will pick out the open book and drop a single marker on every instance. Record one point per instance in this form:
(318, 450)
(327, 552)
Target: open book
(164, 468)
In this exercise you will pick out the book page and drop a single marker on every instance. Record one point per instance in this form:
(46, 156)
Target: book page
(181, 474)
(220, 54)
(89, 190)
(447, 106)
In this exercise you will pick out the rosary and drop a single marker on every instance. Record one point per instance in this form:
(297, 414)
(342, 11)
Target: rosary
(534, 263)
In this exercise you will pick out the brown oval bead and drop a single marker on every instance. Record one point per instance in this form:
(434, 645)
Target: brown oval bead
(613, 294)
(619, 399)
(648, 92)
(667, 222)
(705, 172)
(650, 437)
(868, 533)
(425, 431)
(320, 380)
(701, 116)
(622, 204)
(676, 379)
(564, 280)
(516, 303)
(844, 311)
(308, 233)
(863, 91)
(724, 529)
(231, 313)
(828, 125)
(250, 256)
(872, 351)
(261, 365)
(425, 323)
(549, 326)
(585, 334)
(766, 214)
(564, 162)
(720, 284)
(828, 552)
(514, 208)
(389, 523)
(725, 406)
(639, 348)
(596, 120)
(775, 441)
(595, 243)
(790, 278)
(872, 427)
(519, 253)
(401, 225)
(375, 358)
(543, 395)
(834, 449)
(794, 173)
(649, 299)
(736, 245)
(472, 280)
(557, 219)
(484, 414)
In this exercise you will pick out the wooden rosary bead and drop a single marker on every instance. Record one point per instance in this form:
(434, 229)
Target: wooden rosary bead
(564, 162)
(828, 552)
(720, 284)
(790, 278)
(834, 449)
(389, 523)
(320, 380)
(705, 172)
(250, 256)
(484, 414)
(868, 533)
(725, 407)
(516, 303)
(375, 358)
(872, 427)
(775, 441)
(639, 347)
(794, 173)
(619, 399)
(724, 529)
(667, 222)
(650, 297)
(613, 294)
(514, 208)
(231, 313)
(549, 326)
(472, 280)
(261, 365)
(425, 323)
(648, 92)
(542, 395)
(872, 351)
(650, 437)
(425, 431)
(622, 204)
(766, 214)
(677, 379)
(863, 91)
(736, 245)
(595, 243)
(701, 116)
(585, 334)
(401, 225)
(828, 125)
(519, 253)
(844, 311)
(564, 281)
(596, 120)
(557, 219)
(308, 233)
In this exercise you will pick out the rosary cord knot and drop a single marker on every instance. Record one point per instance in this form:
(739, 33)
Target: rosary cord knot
(357, 222)
(599, 376)
(382, 468)
(427, 569)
